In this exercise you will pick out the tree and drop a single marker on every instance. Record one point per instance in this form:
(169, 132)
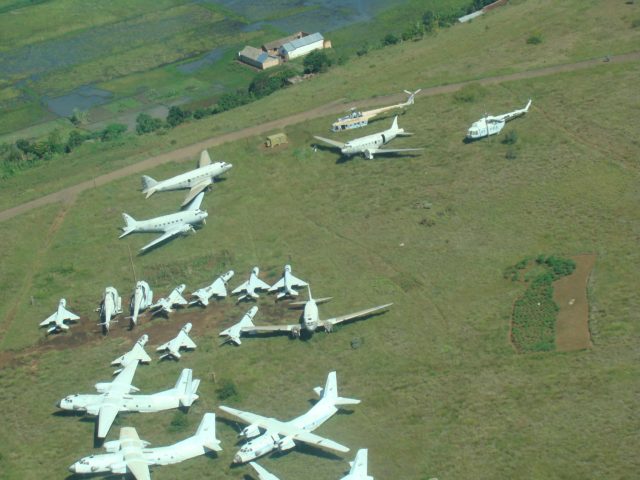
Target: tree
(177, 115)
(146, 124)
(112, 131)
(24, 145)
(266, 83)
(390, 39)
(75, 139)
(54, 139)
(316, 61)
(429, 20)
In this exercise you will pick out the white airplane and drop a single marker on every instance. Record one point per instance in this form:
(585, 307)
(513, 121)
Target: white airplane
(217, 288)
(250, 286)
(58, 318)
(110, 306)
(493, 124)
(286, 284)
(283, 435)
(357, 119)
(180, 223)
(175, 298)
(371, 144)
(173, 346)
(359, 467)
(136, 354)
(116, 396)
(263, 474)
(129, 454)
(141, 299)
(310, 320)
(233, 333)
(196, 180)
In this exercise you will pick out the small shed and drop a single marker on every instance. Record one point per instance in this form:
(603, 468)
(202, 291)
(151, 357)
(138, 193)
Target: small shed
(275, 140)
(257, 58)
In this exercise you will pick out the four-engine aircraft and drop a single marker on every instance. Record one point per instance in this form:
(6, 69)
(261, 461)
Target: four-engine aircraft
(282, 436)
(244, 325)
(217, 288)
(180, 223)
(116, 396)
(167, 304)
(285, 285)
(136, 354)
(57, 319)
(250, 286)
(129, 454)
(110, 306)
(493, 124)
(371, 144)
(196, 180)
(141, 299)
(173, 346)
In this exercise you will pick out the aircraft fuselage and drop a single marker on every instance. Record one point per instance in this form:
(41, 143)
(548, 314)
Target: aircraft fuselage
(166, 222)
(370, 142)
(194, 177)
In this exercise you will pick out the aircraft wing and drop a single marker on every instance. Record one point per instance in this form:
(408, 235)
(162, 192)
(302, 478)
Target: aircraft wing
(261, 284)
(50, 318)
(395, 150)
(165, 236)
(278, 285)
(106, 415)
(359, 465)
(296, 282)
(125, 377)
(67, 315)
(186, 342)
(195, 203)
(269, 328)
(139, 469)
(242, 287)
(333, 143)
(351, 316)
(195, 190)
(263, 474)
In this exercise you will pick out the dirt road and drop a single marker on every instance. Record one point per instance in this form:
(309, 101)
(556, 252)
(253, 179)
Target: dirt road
(337, 107)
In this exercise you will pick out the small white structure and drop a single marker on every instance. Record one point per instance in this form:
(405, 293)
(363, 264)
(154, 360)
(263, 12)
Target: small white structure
(302, 46)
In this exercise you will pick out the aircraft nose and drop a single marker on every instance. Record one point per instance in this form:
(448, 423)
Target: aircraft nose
(237, 459)
(72, 468)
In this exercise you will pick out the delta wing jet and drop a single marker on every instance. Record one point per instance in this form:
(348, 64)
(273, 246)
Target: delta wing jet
(372, 144)
(196, 181)
(136, 354)
(56, 320)
(310, 320)
(285, 285)
(173, 346)
(250, 286)
(233, 333)
(357, 119)
(167, 304)
(116, 396)
(180, 223)
(141, 299)
(217, 288)
(493, 124)
(265, 434)
(110, 306)
(129, 454)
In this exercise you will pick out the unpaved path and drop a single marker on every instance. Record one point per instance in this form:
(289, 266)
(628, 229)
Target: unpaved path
(335, 107)
(570, 293)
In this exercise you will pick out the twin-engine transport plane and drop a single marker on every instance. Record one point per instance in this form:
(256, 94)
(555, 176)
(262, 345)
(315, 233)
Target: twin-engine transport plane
(196, 180)
(277, 435)
(493, 124)
(180, 223)
(129, 454)
(117, 397)
(56, 320)
(371, 144)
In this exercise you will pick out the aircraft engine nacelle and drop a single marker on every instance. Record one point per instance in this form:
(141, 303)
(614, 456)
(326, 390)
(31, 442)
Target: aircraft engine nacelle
(250, 432)
(112, 446)
(103, 387)
(285, 443)
(295, 332)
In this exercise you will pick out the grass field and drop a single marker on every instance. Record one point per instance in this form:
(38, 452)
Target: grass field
(444, 395)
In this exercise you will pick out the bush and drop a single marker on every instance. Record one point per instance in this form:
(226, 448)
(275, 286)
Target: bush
(75, 139)
(470, 93)
(316, 62)
(146, 124)
(267, 82)
(227, 389)
(390, 39)
(363, 50)
(179, 422)
(177, 115)
(233, 100)
(534, 39)
(112, 132)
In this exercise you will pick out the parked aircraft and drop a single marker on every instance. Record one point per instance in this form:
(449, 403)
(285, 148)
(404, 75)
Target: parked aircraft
(173, 346)
(282, 436)
(136, 354)
(357, 119)
(285, 285)
(116, 396)
(196, 180)
(359, 467)
(371, 144)
(310, 320)
(250, 286)
(141, 299)
(180, 223)
(166, 304)
(263, 474)
(110, 306)
(217, 288)
(129, 454)
(233, 333)
(493, 124)
(57, 319)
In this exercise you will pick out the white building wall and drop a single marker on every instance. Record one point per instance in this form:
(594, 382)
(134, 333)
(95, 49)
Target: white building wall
(299, 52)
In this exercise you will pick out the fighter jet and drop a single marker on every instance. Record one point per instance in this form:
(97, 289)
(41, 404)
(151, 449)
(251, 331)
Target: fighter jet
(166, 304)
(310, 320)
(140, 300)
(136, 354)
(281, 436)
(180, 223)
(492, 125)
(250, 286)
(173, 346)
(286, 284)
(357, 119)
(371, 144)
(116, 396)
(233, 333)
(110, 306)
(196, 180)
(57, 319)
(217, 288)
(129, 454)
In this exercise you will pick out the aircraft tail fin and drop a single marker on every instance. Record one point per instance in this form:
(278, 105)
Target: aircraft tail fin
(206, 433)
(187, 387)
(526, 109)
(330, 392)
(394, 125)
(147, 185)
(130, 224)
(412, 96)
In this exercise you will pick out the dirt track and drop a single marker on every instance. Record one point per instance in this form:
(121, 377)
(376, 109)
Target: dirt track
(339, 106)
